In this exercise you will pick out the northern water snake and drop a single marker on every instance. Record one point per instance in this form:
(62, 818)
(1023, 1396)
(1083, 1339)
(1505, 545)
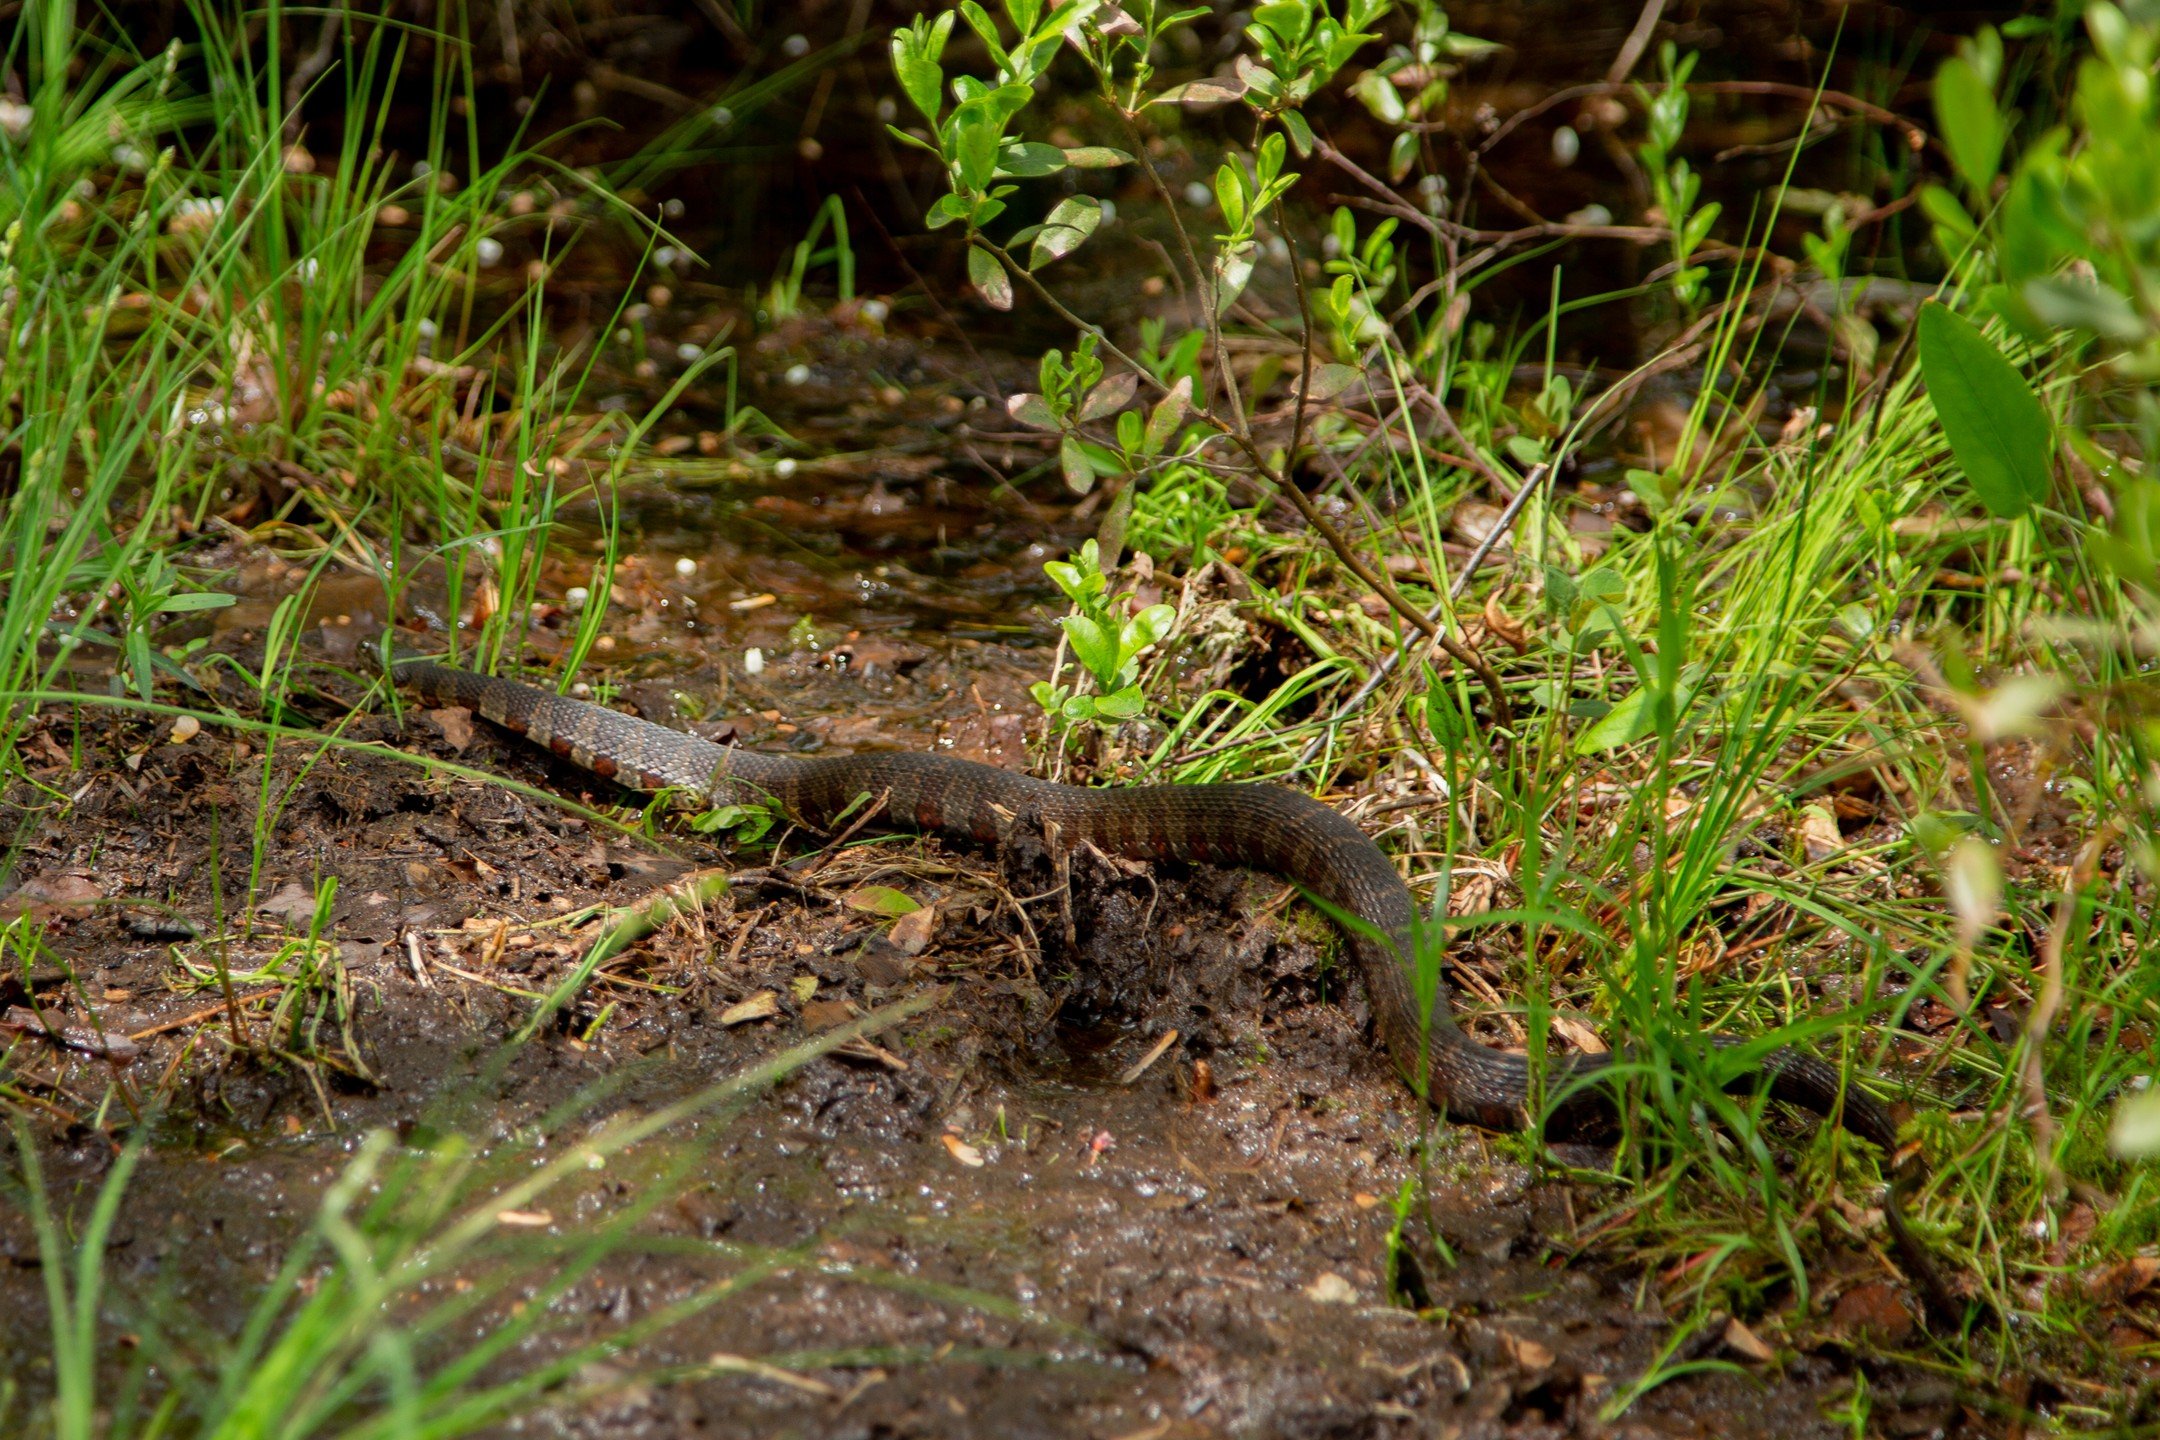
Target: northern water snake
(1267, 827)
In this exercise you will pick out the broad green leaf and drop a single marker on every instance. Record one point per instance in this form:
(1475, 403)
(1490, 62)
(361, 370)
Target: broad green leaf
(1067, 228)
(1096, 157)
(947, 209)
(1630, 720)
(881, 900)
(1329, 381)
(1146, 628)
(1972, 128)
(1995, 425)
(2070, 304)
(1300, 130)
(1168, 414)
(1092, 645)
(1028, 159)
(1380, 96)
(196, 600)
(989, 278)
(915, 53)
(1230, 193)
(1126, 704)
(1942, 207)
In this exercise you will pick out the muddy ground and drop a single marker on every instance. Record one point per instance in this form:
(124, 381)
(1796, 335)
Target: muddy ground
(1184, 1255)
(1133, 1175)
(1197, 1250)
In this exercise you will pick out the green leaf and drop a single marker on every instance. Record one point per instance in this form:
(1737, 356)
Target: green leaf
(1066, 229)
(1096, 157)
(1078, 469)
(1230, 193)
(1300, 129)
(1126, 704)
(1381, 97)
(1329, 381)
(1027, 159)
(1942, 207)
(1168, 414)
(1146, 628)
(989, 278)
(2068, 304)
(1973, 129)
(1092, 645)
(1287, 18)
(1623, 725)
(915, 53)
(881, 900)
(947, 209)
(195, 600)
(1034, 412)
(1995, 424)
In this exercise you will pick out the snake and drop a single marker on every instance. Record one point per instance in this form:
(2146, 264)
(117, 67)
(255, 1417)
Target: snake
(1255, 824)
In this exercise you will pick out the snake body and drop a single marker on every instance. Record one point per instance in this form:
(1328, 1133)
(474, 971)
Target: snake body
(1267, 827)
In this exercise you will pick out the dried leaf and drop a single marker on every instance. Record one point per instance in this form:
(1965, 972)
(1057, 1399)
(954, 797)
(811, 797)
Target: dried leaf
(761, 1006)
(455, 722)
(911, 933)
(1528, 1354)
(1746, 1343)
(1819, 832)
(1328, 1288)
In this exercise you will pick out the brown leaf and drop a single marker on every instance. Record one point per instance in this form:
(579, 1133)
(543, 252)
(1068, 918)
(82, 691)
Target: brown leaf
(60, 895)
(1819, 832)
(761, 1006)
(825, 1014)
(1581, 1036)
(1506, 626)
(2113, 1284)
(1746, 1343)
(293, 903)
(1875, 1311)
(911, 933)
(1528, 1354)
(455, 722)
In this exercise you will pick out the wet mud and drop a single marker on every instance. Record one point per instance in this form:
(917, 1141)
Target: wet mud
(1134, 1174)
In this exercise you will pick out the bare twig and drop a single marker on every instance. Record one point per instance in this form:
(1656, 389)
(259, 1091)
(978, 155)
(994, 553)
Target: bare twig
(1638, 40)
(1389, 661)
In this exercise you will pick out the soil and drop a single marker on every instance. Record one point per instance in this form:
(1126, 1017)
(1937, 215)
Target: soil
(1134, 1174)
